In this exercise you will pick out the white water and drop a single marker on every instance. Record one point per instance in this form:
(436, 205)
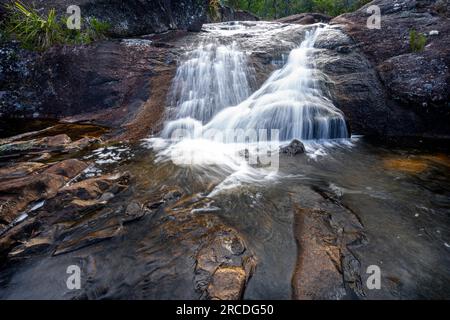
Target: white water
(212, 77)
(290, 101)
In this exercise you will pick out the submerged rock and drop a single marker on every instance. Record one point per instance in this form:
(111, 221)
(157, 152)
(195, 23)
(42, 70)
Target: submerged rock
(294, 148)
(224, 267)
(94, 188)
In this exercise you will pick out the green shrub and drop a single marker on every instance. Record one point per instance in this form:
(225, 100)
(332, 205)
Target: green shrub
(213, 9)
(40, 32)
(417, 41)
(99, 28)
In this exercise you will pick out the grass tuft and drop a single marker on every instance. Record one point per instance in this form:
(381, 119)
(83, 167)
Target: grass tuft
(417, 41)
(39, 32)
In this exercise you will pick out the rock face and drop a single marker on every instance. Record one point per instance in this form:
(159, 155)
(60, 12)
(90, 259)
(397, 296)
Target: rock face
(229, 14)
(136, 17)
(112, 83)
(354, 86)
(414, 81)
(117, 83)
(306, 18)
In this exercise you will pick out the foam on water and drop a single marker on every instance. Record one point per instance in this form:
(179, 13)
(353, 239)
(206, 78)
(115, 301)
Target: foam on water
(290, 102)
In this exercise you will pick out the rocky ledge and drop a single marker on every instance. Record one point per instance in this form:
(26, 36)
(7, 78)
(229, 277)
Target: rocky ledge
(134, 17)
(413, 81)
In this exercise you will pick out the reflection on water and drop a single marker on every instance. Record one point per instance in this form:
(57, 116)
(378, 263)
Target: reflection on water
(401, 197)
(404, 215)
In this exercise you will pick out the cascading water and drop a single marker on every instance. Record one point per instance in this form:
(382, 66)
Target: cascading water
(290, 101)
(208, 92)
(211, 78)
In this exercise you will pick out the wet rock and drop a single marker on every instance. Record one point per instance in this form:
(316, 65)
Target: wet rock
(172, 195)
(111, 80)
(81, 144)
(326, 237)
(87, 240)
(43, 157)
(318, 273)
(19, 170)
(47, 144)
(16, 235)
(67, 168)
(31, 247)
(294, 148)
(355, 88)
(94, 188)
(223, 267)
(133, 212)
(57, 141)
(17, 194)
(227, 283)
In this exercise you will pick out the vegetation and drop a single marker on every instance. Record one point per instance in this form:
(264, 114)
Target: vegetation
(417, 41)
(274, 9)
(41, 31)
(213, 9)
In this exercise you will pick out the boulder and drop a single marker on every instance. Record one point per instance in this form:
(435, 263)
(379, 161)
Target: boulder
(294, 148)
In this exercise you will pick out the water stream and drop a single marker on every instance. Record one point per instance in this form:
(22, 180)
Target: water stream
(394, 200)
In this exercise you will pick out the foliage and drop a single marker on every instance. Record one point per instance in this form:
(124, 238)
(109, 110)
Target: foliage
(417, 41)
(273, 9)
(213, 9)
(40, 32)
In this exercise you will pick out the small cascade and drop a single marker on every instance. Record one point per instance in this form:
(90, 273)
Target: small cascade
(290, 101)
(212, 77)
(234, 138)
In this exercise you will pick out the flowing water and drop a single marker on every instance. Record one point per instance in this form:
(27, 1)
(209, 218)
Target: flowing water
(396, 200)
(212, 77)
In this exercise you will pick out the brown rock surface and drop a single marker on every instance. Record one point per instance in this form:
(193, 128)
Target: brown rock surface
(17, 194)
(67, 168)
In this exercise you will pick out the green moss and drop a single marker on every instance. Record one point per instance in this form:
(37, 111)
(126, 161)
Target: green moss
(41, 31)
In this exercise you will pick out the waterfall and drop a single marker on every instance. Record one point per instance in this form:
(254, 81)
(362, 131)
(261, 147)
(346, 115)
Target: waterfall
(212, 77)
(211, 99)
(290, 101)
